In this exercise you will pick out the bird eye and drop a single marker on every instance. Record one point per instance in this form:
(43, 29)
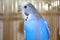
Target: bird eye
(25, 6)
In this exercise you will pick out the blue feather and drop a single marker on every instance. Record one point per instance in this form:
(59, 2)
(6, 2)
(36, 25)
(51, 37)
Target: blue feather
(36, 30)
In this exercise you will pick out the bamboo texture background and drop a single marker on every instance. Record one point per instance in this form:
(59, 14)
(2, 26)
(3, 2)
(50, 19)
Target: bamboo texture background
(11, 23)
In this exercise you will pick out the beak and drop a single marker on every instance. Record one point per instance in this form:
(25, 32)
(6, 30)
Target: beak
(20, 11)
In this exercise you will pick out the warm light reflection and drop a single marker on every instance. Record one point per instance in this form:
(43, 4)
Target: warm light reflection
(35, 5)
(39, 6)
(3, 7)
(12, 6)
(16, 6)
(45, 7)
(54, 4)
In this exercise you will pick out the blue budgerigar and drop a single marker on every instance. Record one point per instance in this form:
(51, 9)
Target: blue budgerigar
(35, 26)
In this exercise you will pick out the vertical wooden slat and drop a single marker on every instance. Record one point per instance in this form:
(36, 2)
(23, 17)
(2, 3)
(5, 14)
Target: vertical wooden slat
(59, 29)
(6, 29)
(1, 30)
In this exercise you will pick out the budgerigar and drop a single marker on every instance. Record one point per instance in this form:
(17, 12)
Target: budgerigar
(35, 26)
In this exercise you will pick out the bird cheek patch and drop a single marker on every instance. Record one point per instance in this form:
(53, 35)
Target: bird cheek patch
(26, 14)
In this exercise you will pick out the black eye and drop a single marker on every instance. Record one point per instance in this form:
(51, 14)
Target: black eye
(25, 6)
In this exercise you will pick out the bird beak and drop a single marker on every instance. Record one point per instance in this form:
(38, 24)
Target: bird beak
(20, 11)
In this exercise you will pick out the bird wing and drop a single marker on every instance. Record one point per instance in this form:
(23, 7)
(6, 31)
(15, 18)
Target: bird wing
(44, 24)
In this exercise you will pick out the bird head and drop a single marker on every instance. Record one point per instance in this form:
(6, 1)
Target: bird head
(27, 10)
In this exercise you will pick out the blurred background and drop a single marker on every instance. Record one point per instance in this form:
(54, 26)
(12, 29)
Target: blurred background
(11, 23)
